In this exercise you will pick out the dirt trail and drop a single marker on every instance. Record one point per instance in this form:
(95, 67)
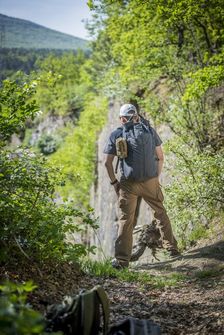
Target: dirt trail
(194, 305)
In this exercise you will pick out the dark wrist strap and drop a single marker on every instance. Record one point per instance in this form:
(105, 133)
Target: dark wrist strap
(113, 182)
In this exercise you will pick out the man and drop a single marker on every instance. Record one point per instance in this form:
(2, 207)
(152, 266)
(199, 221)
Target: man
(139, 178)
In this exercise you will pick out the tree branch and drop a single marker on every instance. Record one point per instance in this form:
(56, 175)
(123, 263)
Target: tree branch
(210, 48)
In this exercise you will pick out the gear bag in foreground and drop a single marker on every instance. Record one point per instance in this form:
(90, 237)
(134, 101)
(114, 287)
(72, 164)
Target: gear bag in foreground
(88, 314)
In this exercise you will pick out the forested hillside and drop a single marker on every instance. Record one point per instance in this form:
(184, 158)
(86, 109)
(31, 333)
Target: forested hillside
(18, 33)
(23, 43)
(167, 59)
(18, 59)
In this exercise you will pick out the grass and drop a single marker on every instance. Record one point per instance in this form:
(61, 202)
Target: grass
(208, 273)
(104, 269)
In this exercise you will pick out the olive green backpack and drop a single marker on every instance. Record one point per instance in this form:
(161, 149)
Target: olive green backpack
(88, 314)
(80, 314)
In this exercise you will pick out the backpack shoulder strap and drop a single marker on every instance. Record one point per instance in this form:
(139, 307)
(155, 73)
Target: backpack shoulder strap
(104, 301)
(91, 302)
(88, 308)
(146, 125)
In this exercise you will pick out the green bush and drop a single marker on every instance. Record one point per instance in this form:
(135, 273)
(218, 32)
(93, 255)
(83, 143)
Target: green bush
(16, 105)
(195, 195)
(34, 220)
(30, 218)
(16, 316)
(48, 144)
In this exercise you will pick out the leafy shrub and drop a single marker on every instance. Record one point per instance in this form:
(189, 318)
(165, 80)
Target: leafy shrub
(31, 219)
(195, 194)
(17, 317)
(16, 105)
(48, 144)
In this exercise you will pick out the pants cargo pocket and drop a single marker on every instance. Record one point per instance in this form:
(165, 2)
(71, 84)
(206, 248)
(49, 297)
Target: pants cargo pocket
(160, 195)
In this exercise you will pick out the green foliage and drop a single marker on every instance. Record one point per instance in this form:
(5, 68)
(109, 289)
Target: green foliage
(60, 90)
(168, 56)
(104, 269)
(48, 144)
(17, 317)
(31, 219)
(210, 273)
(202, 80)
(77, 157)
(16, 106)
(144, 41)
(196, 190)
(13, 60)
(26, 60)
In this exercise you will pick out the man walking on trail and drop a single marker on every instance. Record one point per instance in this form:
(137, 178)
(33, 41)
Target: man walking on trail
(140, 165)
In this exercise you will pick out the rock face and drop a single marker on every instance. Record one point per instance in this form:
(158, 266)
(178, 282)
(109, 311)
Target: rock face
(48, 126)
(104, 199)
(48, 132)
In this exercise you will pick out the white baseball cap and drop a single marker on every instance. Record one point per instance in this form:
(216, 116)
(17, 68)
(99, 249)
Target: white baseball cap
(128, 110)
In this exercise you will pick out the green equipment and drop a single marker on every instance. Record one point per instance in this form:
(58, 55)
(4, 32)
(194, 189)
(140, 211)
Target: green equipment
(80, 314)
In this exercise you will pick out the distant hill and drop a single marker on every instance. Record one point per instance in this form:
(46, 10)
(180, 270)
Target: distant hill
(18, 33)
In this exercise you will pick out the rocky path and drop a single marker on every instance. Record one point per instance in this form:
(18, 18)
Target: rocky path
(192, 305)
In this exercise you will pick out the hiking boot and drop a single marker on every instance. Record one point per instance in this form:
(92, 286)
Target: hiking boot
(118, 265)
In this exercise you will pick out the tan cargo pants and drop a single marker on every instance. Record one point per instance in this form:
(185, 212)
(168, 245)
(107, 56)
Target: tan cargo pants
(150, 191)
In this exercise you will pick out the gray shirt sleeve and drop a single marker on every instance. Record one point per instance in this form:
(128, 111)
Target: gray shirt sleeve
(110, 147)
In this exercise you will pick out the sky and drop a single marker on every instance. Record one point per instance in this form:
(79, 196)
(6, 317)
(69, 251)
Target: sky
(63, 15)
